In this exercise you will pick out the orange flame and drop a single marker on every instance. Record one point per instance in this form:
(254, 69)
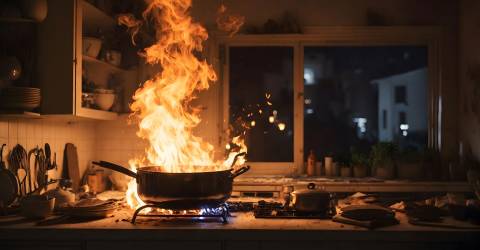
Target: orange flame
(228, 23)
(162, 106)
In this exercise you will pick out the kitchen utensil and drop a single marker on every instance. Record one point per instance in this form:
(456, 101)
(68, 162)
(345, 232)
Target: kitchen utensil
(62, 196)
(370, 224)
(32, 183)
(48, 157)
(8, 184)
(104, 101)
(18, 163)
(311, 199)
(90, 208)
(22, 98)
(39, 169)
(96, 181)
(71, 165)
(91, 46)
(37, 206)
(119, 181)
(114, 57)
(181, 190)
(36, 190)
(426, 213)
(367, 212)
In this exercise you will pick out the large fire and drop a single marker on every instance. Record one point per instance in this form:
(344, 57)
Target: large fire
(162, 106)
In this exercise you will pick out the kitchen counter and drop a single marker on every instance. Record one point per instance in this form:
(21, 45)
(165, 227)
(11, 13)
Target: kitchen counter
(340, 184)
(242, 232)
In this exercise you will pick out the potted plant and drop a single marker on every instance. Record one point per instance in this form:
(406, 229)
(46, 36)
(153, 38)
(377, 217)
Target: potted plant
(359, 164)
(410, 164)
(343, 164)
(382, 159)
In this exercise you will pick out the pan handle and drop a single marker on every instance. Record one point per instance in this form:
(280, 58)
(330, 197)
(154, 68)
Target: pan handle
(236, 158)
(115, 167)
(239, 171)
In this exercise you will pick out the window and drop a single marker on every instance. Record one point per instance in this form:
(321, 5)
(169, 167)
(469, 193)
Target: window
(261, 98)
(331, 91)
(353, 84)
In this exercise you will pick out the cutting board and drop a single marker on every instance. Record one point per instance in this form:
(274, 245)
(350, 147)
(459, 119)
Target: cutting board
(70, 164)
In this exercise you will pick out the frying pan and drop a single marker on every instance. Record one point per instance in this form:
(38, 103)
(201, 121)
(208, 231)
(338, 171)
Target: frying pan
(181, 191)
(8, 183)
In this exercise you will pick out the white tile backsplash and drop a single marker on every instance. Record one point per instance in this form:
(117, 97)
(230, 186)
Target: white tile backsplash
(114, 141)
(117, 141)
(37, 132)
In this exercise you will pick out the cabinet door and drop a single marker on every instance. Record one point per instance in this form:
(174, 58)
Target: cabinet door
(40, 245)
(57, 50)
(154, 245)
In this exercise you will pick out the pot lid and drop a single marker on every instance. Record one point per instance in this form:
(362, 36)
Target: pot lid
(311, 190)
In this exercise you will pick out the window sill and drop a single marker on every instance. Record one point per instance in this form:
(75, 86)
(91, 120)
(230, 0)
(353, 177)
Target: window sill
(349, 184)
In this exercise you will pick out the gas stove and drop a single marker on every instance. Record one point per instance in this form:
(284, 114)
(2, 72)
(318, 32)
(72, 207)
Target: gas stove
(156, 210)
(276, 210)
(270, 209)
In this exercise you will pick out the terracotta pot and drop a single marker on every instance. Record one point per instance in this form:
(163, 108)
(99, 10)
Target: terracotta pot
(35, 9)
(384, 172)
(411, 171)
(345, 171)
(359, 171)
(329, 166)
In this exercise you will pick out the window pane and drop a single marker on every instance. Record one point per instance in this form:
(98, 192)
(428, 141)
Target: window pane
(358, 96)
(261, 95)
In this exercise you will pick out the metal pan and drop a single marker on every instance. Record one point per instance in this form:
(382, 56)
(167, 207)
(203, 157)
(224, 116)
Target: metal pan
(180, 190)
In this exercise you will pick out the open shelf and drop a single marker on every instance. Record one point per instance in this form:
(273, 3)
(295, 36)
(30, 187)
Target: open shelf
(19, 114)
(102, 63)
(96, 114)
(93, 19)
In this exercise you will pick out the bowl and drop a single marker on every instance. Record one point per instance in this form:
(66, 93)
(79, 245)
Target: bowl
(91, 46)
(114, 57)
(37, 206)
(104, 101)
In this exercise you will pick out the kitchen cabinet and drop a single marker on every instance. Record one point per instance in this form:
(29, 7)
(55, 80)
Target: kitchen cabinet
(41, 245)
(233, 245)
(61, 62)
(154, 245)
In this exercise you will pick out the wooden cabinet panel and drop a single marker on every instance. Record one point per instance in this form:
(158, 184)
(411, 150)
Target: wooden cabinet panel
(40, 245)
(344, 245)
(154, 245)
(242, 245)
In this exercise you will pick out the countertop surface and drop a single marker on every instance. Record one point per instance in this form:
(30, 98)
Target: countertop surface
(241, 225)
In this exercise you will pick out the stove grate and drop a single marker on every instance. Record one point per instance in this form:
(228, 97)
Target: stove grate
(218, 212)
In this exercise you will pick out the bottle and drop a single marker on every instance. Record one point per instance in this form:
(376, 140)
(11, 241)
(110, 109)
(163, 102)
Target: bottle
(311, 162)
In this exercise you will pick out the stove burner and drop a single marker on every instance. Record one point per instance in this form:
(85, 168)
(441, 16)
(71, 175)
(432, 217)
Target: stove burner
(218, 212)
(275, 210)
(240, 206)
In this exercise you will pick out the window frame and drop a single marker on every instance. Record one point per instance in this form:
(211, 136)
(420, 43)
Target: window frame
(431, 37)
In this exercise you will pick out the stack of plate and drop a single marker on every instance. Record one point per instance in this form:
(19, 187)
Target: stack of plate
(91, 208)
(19, 98)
